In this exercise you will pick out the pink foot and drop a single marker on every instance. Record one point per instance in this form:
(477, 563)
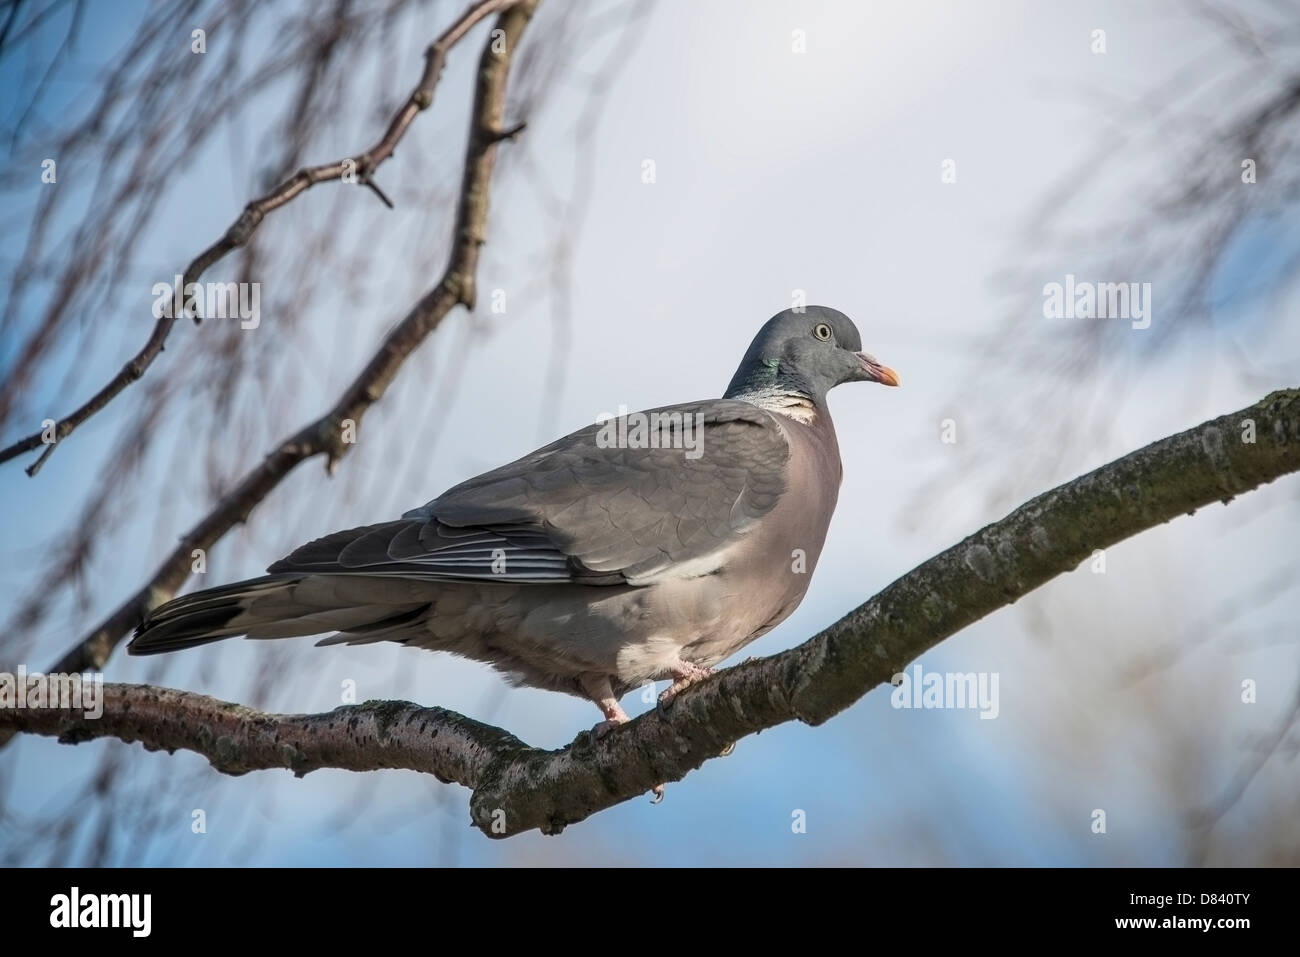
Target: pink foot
(684, 675)
(602, 728)
(600, 691)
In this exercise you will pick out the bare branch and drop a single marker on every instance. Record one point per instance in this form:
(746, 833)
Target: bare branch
(362, 165)
(517, 788)
(326, 434)
(236, 739)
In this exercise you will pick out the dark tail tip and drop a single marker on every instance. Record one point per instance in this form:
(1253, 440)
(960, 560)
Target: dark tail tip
(176, 631)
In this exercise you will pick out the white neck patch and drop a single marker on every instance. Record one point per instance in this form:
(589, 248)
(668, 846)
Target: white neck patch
(792, 405)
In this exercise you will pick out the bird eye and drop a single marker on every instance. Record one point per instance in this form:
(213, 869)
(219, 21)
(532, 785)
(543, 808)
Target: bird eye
(822, 331)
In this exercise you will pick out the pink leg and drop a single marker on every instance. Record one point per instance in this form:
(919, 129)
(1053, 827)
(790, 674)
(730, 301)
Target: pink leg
(601, 692)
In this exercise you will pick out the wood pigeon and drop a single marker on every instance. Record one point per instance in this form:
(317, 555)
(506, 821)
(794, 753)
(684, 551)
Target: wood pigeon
(642, 548)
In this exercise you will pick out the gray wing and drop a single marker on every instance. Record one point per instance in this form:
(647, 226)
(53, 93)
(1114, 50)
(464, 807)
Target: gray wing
(582, 512)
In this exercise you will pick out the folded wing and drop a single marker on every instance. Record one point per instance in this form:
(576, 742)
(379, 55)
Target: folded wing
(582, 511)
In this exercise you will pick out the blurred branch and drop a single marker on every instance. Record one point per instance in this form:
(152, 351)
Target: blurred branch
(517, 788)
(328, 435)
(1213, 241)
(363, 166)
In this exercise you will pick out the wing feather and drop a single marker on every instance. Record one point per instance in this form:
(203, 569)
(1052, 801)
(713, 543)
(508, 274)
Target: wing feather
(580, 511)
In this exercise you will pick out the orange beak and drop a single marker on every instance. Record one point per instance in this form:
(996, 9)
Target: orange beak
(877, 372)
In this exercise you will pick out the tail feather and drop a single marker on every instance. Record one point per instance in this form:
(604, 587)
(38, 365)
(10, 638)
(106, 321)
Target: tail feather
(285, 605)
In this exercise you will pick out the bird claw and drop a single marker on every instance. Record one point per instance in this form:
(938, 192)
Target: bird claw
(602, 728)
(685, 676)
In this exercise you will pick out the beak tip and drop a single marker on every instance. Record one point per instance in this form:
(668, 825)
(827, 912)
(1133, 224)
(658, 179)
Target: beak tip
(877, 371)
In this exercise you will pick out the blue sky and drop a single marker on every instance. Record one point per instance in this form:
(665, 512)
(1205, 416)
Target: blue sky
(775, 172)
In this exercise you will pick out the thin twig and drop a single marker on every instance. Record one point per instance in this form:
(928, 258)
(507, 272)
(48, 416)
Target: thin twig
(362, 166)
(326, 435)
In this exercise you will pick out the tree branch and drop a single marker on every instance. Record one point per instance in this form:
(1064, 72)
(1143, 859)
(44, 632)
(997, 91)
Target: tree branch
(326, 435)
(517, 788)
(363, 165)
(367, 737)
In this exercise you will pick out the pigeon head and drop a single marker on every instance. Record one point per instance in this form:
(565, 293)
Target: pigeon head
(805, 353)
